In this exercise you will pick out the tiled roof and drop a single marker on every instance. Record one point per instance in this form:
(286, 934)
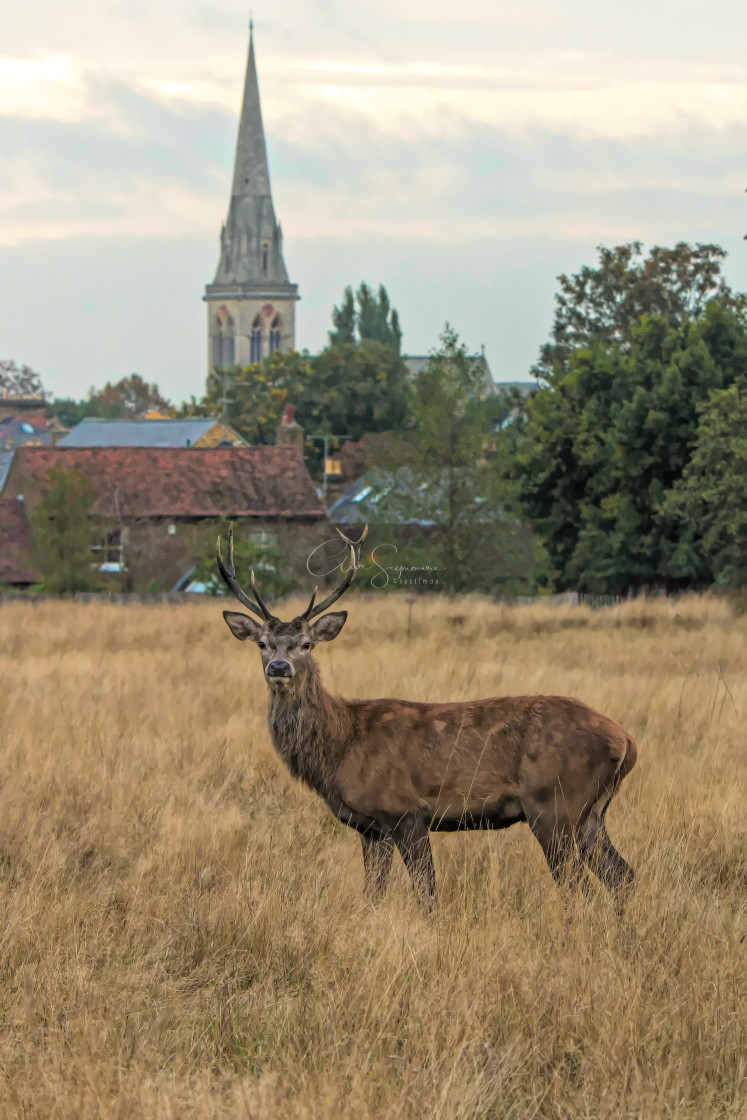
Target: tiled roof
(138, 433)
(524, 387)
(15, 431)
(397, 497)
(17, 561)
(178, 482)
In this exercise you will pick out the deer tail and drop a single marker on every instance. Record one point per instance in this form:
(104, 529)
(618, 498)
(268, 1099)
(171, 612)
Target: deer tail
(628, 760)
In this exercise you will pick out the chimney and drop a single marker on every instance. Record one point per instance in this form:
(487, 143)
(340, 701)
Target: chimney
(290, 433)
(56, 431)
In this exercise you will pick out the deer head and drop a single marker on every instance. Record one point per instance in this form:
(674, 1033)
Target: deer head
(286, 647)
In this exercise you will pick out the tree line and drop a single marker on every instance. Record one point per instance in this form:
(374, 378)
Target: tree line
(625, 469)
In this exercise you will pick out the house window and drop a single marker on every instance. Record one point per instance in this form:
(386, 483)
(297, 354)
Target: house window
(265, 543)
(256, 341)
(109, 555)
(275, 330)
(263, 538)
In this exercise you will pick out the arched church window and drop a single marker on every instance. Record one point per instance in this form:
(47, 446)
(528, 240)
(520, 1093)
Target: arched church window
(275, 332)
(223, 342)
(217, 351)
(265, 257)
(256, 341)
(229, 351)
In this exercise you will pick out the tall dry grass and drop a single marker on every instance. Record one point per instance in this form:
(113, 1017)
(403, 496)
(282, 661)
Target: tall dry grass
(183, 932)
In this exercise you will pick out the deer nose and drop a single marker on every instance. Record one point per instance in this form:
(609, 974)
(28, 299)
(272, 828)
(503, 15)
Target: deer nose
(279, 668)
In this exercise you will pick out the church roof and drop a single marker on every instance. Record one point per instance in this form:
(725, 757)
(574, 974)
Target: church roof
(523, 387)
(187, 432)
(416, 363)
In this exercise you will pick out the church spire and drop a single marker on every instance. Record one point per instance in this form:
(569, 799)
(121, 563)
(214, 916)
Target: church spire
(251, 175)
(251, 241)
(251, 302)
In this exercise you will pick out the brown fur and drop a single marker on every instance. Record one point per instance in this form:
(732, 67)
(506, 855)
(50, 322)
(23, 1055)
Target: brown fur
(396, 769)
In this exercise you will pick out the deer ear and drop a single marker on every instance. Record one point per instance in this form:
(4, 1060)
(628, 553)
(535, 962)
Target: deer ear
(242, 626)
(328, 626)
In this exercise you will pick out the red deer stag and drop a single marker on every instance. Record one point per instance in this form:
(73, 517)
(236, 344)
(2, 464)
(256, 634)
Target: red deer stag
(396, 769)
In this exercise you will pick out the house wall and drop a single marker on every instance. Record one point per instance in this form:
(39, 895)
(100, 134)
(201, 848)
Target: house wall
(159, 552)
(219, 433)
(27, 408)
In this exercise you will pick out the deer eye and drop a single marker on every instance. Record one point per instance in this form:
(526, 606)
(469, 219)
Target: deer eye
(262, 643)
(305, 645)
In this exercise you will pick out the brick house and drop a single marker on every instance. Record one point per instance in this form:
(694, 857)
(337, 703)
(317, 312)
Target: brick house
(156, 510)
(18, 564)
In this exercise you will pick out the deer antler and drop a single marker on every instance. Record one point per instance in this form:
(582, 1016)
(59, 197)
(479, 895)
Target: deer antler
(355, 559)
(228, 572)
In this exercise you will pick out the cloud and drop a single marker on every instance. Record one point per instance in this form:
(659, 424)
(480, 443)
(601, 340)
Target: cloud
(139, 165)
(463, 155)
(145, 164)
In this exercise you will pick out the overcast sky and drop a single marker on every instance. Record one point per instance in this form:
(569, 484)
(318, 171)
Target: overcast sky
(462, 154)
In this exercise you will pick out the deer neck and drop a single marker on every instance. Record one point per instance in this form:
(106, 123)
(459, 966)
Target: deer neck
(309, 730)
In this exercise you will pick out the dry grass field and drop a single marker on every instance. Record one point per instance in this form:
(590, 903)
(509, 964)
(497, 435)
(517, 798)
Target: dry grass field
(182, 931)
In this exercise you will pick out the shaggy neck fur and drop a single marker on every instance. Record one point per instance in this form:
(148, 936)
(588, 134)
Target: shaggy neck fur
(309, 729)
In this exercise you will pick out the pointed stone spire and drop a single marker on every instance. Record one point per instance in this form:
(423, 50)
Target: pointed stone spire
(251, 239)
(251, 302)
(251, 175)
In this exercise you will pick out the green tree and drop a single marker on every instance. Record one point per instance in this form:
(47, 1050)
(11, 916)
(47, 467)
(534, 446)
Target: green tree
(707, 507)
(352, 388)
(60, 523)
(607, 441)
(122, 400)
(357, 389)
(604, 303)
(130, 397)
(253, 551)
(441, 477)
(366, 316)
(68, 412)
(343, 320)
(256, 395)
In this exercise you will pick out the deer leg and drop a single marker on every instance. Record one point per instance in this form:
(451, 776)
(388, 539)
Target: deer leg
(411, 837)
(598, 851)
(561, 851)
(378, 849)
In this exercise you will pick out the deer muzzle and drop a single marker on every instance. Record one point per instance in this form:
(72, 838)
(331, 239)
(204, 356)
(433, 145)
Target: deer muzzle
(279, 669)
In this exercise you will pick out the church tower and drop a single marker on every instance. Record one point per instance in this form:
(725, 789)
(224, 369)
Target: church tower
(251, 303)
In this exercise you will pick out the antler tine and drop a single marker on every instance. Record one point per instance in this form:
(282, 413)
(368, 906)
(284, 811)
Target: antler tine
(356, 544)
(312, 611)
(311, 604)
(258, 597)
(228, 574)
